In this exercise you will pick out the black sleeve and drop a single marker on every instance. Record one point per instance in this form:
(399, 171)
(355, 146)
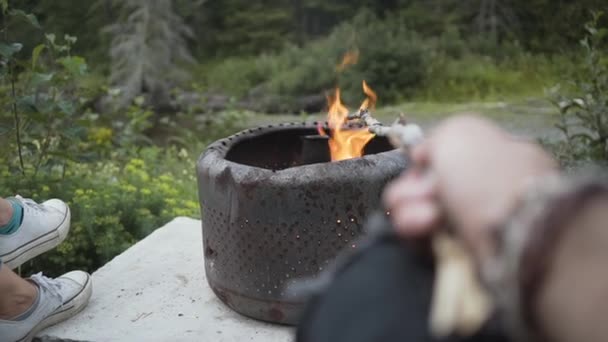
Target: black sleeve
(383, 294)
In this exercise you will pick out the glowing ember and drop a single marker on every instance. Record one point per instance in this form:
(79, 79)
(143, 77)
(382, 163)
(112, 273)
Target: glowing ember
(347, 143)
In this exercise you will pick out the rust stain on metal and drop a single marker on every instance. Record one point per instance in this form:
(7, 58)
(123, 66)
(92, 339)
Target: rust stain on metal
(276, 314)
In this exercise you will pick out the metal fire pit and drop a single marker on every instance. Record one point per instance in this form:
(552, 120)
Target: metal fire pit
(269, 216)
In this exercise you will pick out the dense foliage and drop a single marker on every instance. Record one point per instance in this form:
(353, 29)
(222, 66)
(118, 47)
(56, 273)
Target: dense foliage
(584, 111)
(118, 181)
(446, 50)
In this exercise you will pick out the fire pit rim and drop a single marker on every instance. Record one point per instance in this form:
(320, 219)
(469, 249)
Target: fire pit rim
(219, 150)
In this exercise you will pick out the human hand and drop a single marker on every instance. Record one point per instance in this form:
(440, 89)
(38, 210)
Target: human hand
(468, 173)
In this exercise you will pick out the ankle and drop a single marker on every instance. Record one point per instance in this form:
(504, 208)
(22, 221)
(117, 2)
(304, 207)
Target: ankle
(6, 212)
(18, 301)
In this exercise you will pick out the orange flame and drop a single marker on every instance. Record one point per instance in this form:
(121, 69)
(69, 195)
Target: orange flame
(372, 98)
(350, 58)
(344, 143)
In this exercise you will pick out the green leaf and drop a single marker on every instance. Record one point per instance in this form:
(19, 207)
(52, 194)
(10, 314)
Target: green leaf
(4, 5)
(75, 65)
(79, 131)
(45, 106)
(39, 78)
(73, 132)
(27, 104)
(36, 53)
(37, 109)
(66, 107)
(7, 50)
(30, 18)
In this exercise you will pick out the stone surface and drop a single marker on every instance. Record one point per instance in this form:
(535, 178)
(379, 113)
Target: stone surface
(157, 291)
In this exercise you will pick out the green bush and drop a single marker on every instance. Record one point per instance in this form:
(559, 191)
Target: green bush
(396, 62)
(477, 77)
(584, 108)
(235, 75)
(391, 60)
(118, 183)
(113, 204)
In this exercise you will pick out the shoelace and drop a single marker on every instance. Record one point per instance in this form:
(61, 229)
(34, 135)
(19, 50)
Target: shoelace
(50, 285)
(30, 203)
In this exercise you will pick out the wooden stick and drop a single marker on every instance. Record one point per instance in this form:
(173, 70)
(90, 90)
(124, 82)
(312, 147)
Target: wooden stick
(400, 133)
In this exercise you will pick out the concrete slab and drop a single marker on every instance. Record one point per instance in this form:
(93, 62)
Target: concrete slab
(157, 291)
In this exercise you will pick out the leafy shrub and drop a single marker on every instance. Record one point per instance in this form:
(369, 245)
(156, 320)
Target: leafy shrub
(113, 204)
(235, 75)
(391, 59)
(395, 61)
(474, 76)
(42, 102)
(584, 111)
(118, 184)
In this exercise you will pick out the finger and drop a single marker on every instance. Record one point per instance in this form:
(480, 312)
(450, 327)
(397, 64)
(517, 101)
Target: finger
(392, 192)
(408, 187)
(416, 219)
(420, 155)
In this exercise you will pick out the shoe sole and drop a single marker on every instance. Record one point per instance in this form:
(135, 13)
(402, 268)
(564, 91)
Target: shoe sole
(72, 307)
(42, 244)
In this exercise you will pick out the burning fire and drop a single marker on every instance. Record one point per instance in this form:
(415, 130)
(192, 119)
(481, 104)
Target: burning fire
(372, 98)
(347, 143)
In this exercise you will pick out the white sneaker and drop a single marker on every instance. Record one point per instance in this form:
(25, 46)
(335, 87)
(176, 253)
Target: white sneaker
(59, 299)
(44, 226)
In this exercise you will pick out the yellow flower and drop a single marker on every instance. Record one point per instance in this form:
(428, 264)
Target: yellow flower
(101, 135)
(191, 204)
(138, 163)
(128, 188)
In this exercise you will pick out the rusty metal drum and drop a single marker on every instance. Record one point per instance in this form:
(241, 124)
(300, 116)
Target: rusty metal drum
(271, 216)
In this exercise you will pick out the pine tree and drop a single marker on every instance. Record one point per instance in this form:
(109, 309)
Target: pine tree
(148, 44)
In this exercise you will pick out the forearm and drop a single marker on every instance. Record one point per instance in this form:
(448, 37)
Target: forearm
(547, 273)
(572, 303)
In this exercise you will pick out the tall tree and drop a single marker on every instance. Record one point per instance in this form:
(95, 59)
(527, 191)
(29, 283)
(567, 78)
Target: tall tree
(246, 27)
(552, 25)
(148, 44)
(495, 18)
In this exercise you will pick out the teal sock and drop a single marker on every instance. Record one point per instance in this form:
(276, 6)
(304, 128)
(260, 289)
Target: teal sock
(15, 221)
